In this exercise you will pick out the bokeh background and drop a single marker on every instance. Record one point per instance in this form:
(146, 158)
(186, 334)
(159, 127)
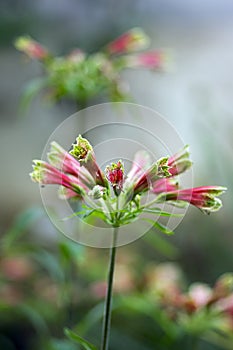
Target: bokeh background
(195, 95)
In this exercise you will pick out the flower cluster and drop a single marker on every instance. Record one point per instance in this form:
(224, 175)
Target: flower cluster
(80, 177)
(165, 283)
(80, 76)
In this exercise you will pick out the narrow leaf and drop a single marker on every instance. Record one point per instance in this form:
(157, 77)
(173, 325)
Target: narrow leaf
(76, 338)
(157, 211)
(160, 226)
(77, 213)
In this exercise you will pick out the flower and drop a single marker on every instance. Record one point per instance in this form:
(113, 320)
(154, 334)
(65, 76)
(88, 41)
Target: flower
(133, 40)
(180, 162)
(223, 286)
(44, 173)
(76, 56)
(150, 59)
(145, 181)
(80, 76)
(31, 47)
(141, 163)
(80, 177)
(226, 305)
(165, 185)
(199, 295)
(204, 197)
(83, 152)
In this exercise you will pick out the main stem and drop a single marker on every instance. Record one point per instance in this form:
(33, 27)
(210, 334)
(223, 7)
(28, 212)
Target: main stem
(108, 300)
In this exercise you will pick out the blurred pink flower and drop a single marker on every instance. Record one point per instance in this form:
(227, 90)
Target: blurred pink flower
(223, 286)
(98, 289)
(226, 305)
(133, 40)
(123, 281)
(16, 268)
(31, 48)
(149, 59)
(199, 295)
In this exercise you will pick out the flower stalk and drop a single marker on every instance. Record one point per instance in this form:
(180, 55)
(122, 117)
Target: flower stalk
(108, 299)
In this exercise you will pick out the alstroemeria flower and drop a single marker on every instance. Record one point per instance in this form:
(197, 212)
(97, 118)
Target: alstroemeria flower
(44, 173)
(83, 152)
(31, 47)
(180, 162)
(165, 185)
(133, 40)
(150, 59)
(226, 305)
(204, 197)
(79, 176)
(80, 76)
(65, 162)
(146, 180)
(199, 295)
(141, 163)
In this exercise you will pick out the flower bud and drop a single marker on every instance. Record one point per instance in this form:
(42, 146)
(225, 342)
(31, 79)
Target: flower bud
(164, 185)
(150, 60)
(31, 47)
(133, 40)
(204, 198)
(97, 192)
(180, 162)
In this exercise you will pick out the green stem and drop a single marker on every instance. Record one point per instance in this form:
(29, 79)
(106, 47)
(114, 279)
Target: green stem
(108, 300)
(147, 205)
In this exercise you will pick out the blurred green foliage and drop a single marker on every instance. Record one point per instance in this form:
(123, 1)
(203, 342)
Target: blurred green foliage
(45, 288)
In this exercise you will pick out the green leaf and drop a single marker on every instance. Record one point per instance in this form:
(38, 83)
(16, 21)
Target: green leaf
(163, 228)
(160, 212)
(160, 226)
(77, 213)
(76, 338)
